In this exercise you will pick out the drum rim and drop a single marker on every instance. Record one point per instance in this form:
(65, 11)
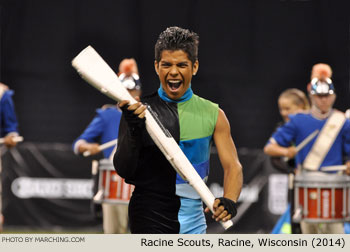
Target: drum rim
(106, 165)
(115, 201)
(321, 185)
(319, 220)
(309, 177)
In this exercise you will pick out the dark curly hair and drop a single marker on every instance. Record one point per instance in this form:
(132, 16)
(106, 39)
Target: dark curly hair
(176, 38)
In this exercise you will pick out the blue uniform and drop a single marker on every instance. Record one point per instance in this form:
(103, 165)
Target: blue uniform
(296, 130)
(8, 118)
(302, 125)
(102, 129)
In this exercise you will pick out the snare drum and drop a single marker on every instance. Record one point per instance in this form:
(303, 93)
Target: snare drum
(321, 197)
(112, 188)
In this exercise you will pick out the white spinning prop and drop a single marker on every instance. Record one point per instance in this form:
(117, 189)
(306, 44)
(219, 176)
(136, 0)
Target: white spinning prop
(96, 72)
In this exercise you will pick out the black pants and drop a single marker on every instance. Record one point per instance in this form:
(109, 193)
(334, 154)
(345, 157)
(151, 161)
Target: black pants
(153, 213)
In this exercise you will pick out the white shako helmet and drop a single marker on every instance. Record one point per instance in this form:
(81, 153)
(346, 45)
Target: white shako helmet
(130, 82)
(322, 87)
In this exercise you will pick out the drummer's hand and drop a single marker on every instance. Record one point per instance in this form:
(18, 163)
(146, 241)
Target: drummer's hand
(290, 152)
(9, 141)
(348, 168)
(91, 147)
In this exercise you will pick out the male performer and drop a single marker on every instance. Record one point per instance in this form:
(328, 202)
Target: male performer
(8, 126)
(162, 201)
(334, 135)
(102, 129)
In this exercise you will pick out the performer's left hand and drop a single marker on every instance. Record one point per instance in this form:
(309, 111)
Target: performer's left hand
(224, 209)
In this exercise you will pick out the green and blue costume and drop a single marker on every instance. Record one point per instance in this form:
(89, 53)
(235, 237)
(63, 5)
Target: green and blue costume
(172, 205)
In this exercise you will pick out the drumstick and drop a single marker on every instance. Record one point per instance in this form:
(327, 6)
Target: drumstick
(15, 139)
(97, 73)
(102, 147)
(303, 143)
(334, 168)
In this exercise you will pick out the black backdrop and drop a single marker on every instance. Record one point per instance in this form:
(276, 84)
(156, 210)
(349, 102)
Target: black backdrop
(249, 52)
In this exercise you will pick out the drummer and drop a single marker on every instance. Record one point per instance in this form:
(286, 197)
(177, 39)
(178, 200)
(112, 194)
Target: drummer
(103, 129)
(290, 101)
(316, 154)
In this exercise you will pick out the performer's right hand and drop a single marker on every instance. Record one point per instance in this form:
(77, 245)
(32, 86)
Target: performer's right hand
(137, 109)
(134, 115)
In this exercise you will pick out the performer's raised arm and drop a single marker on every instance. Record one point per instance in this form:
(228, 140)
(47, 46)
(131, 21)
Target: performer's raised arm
(130, 138)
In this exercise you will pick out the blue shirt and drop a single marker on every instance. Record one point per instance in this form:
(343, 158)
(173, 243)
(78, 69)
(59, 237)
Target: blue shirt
(103, 128)
(302, 125)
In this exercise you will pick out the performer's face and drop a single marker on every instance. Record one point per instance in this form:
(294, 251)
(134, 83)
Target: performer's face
(287, 107)
(175, 72)
(323, 102)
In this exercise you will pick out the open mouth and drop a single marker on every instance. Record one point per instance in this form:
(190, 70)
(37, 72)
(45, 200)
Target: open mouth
(174, 84)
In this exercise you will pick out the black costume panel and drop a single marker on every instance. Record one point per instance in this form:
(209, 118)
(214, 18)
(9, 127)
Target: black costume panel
(141, 163)
(153, 213)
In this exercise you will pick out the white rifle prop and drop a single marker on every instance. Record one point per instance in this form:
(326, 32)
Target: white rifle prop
(15, 139)
(102, 147)
(96, 72)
